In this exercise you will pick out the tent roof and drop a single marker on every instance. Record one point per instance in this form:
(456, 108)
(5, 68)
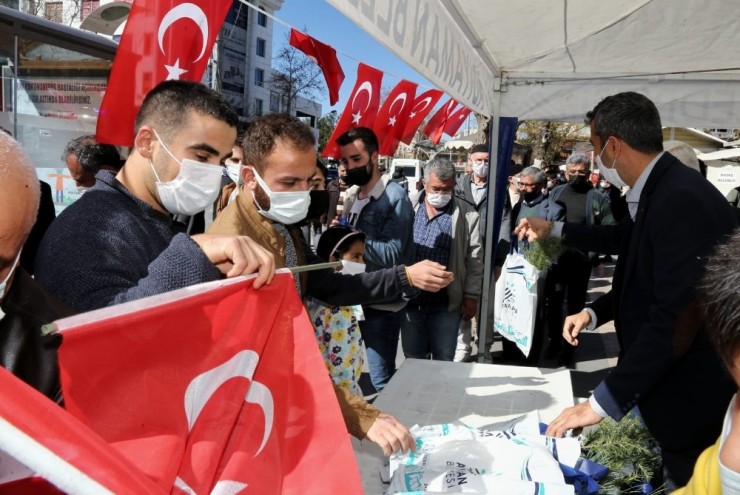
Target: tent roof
(556, 60)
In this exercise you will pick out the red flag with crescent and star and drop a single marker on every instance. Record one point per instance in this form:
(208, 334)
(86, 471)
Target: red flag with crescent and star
(216, 388)
(325, 57)
(436, 125)
(361, 107)
(456, 120)
(392, 117)
(163, 40)
(423, 104)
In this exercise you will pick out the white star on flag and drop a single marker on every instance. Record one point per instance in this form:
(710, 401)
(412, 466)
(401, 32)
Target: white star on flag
(174, 71)
(356, 118)
(392, 121)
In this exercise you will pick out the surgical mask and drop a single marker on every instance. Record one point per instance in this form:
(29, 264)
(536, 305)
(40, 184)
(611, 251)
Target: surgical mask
(480, 168)
(439, 200)
(352, 267)
(285, 207)
(234, 171)
(4, 283)
(195, 187)
(610, 174)
(358, 176)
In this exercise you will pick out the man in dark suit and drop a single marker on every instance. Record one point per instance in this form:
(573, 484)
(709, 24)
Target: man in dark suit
(667, 365)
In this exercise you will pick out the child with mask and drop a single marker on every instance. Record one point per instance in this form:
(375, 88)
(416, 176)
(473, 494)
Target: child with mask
(337, 327)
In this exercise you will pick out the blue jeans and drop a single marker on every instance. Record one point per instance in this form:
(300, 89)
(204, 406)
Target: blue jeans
(429, 331)
(380, 331)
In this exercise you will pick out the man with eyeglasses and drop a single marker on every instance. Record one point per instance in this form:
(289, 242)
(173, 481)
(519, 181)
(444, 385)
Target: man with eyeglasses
(583, 204)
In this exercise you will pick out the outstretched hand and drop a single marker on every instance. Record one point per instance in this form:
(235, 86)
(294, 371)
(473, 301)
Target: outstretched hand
(390, 435)
(236, 255)
(573, 326)
(532, 229)
(429, 276)
(575, 417)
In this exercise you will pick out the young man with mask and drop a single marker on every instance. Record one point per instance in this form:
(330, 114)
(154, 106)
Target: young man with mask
(117, 243)
(380, 208)
(667, 366)
(446, 231)
(279, 166)
(585, 205)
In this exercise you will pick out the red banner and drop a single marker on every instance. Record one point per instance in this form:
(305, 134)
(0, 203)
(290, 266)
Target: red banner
(217, 386)
(361, 107)
(325, 57)
(392, 117)
(423, 104)
(163, 40)
(436, 125)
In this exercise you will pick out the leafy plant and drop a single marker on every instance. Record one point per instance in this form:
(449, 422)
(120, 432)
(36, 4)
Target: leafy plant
(628, 450)
(543, 252)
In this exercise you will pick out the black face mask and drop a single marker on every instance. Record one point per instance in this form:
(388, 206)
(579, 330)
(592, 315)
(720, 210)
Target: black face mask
(530, 196)
(578, 180)
(359, 176)
(319, 204)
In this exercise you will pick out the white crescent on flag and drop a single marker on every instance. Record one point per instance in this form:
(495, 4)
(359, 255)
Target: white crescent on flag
(183, 11)
(426, 101)
(365, 86)
(402, 98)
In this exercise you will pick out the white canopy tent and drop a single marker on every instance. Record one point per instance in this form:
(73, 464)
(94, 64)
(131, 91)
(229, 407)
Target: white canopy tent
(555, 59)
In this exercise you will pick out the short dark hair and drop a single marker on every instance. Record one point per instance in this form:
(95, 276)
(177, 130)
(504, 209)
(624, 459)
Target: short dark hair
(93, 157)
(364, 134)
(631, 117)
(263, 133)
(73, 147)
(722, 299)
(320, 165)
(479, 148)
(165, 105)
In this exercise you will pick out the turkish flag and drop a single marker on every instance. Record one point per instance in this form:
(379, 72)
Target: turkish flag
(456, 120)
(325, 57)
(166, 39)
(436, 125)
(361, 106)
(211, 389)
(42, 446)
(392, 117)
(423, 104)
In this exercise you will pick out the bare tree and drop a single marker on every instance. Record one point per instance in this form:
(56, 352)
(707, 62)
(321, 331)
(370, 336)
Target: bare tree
(296, 75)
(546, 139)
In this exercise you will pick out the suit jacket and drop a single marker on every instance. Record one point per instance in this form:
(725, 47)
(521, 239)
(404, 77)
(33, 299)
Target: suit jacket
(667, 363)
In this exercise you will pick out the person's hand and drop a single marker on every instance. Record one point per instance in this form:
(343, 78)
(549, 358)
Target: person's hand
(575, 417)
(236, 255)
(390, 435)
(573, 326)
(532, 228)
(469, 308)
(335, 222)
(429, 276)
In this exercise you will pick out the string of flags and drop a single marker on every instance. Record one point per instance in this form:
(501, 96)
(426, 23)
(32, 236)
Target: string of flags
(180, 53)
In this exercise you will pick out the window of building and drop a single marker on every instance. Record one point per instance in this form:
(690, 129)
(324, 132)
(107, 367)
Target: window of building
(258, 107)
(54, 11)
(87, 8)
(259, 77)
(274, 102)
(260, 47)
(261, 19)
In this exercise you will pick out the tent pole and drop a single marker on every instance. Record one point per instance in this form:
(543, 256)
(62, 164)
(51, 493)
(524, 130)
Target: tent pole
(484, 326)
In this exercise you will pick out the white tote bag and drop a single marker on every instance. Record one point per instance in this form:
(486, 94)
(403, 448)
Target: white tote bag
(515, 301)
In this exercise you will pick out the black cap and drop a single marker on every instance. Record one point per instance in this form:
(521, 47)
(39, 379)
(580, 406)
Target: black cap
(334, 238)
(479, 148)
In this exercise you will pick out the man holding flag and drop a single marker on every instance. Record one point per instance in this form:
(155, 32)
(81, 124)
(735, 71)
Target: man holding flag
(117, 243)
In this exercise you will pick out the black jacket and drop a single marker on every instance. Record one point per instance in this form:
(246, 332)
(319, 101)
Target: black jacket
(24, 351)
(667, 364)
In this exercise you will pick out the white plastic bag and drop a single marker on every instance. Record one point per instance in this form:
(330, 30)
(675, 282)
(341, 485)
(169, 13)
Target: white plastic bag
(515, 301)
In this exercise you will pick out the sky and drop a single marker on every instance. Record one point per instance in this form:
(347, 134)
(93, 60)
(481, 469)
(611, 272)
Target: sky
(352, 43)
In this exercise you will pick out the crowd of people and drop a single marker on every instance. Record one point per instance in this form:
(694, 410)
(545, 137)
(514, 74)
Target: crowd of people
(411, 264)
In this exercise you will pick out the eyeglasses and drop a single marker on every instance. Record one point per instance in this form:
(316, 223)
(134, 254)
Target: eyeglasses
(527, 185)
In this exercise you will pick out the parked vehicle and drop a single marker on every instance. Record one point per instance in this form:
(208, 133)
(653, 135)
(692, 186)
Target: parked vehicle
(412, 169)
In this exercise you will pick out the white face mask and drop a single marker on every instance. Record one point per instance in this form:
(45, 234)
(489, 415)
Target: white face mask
(195, 187)
(285, 207)
(234, 171)
(4, 283)
(352, 267)
(610, 174)
(439, 200)
(480, 169)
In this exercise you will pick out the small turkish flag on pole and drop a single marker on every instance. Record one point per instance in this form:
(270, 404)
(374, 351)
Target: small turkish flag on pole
(166, 39)
(325, 57)
(361, 106)
(456, 120)
(392, 117)
(436, 125)
(423, 104)
(211, 389)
